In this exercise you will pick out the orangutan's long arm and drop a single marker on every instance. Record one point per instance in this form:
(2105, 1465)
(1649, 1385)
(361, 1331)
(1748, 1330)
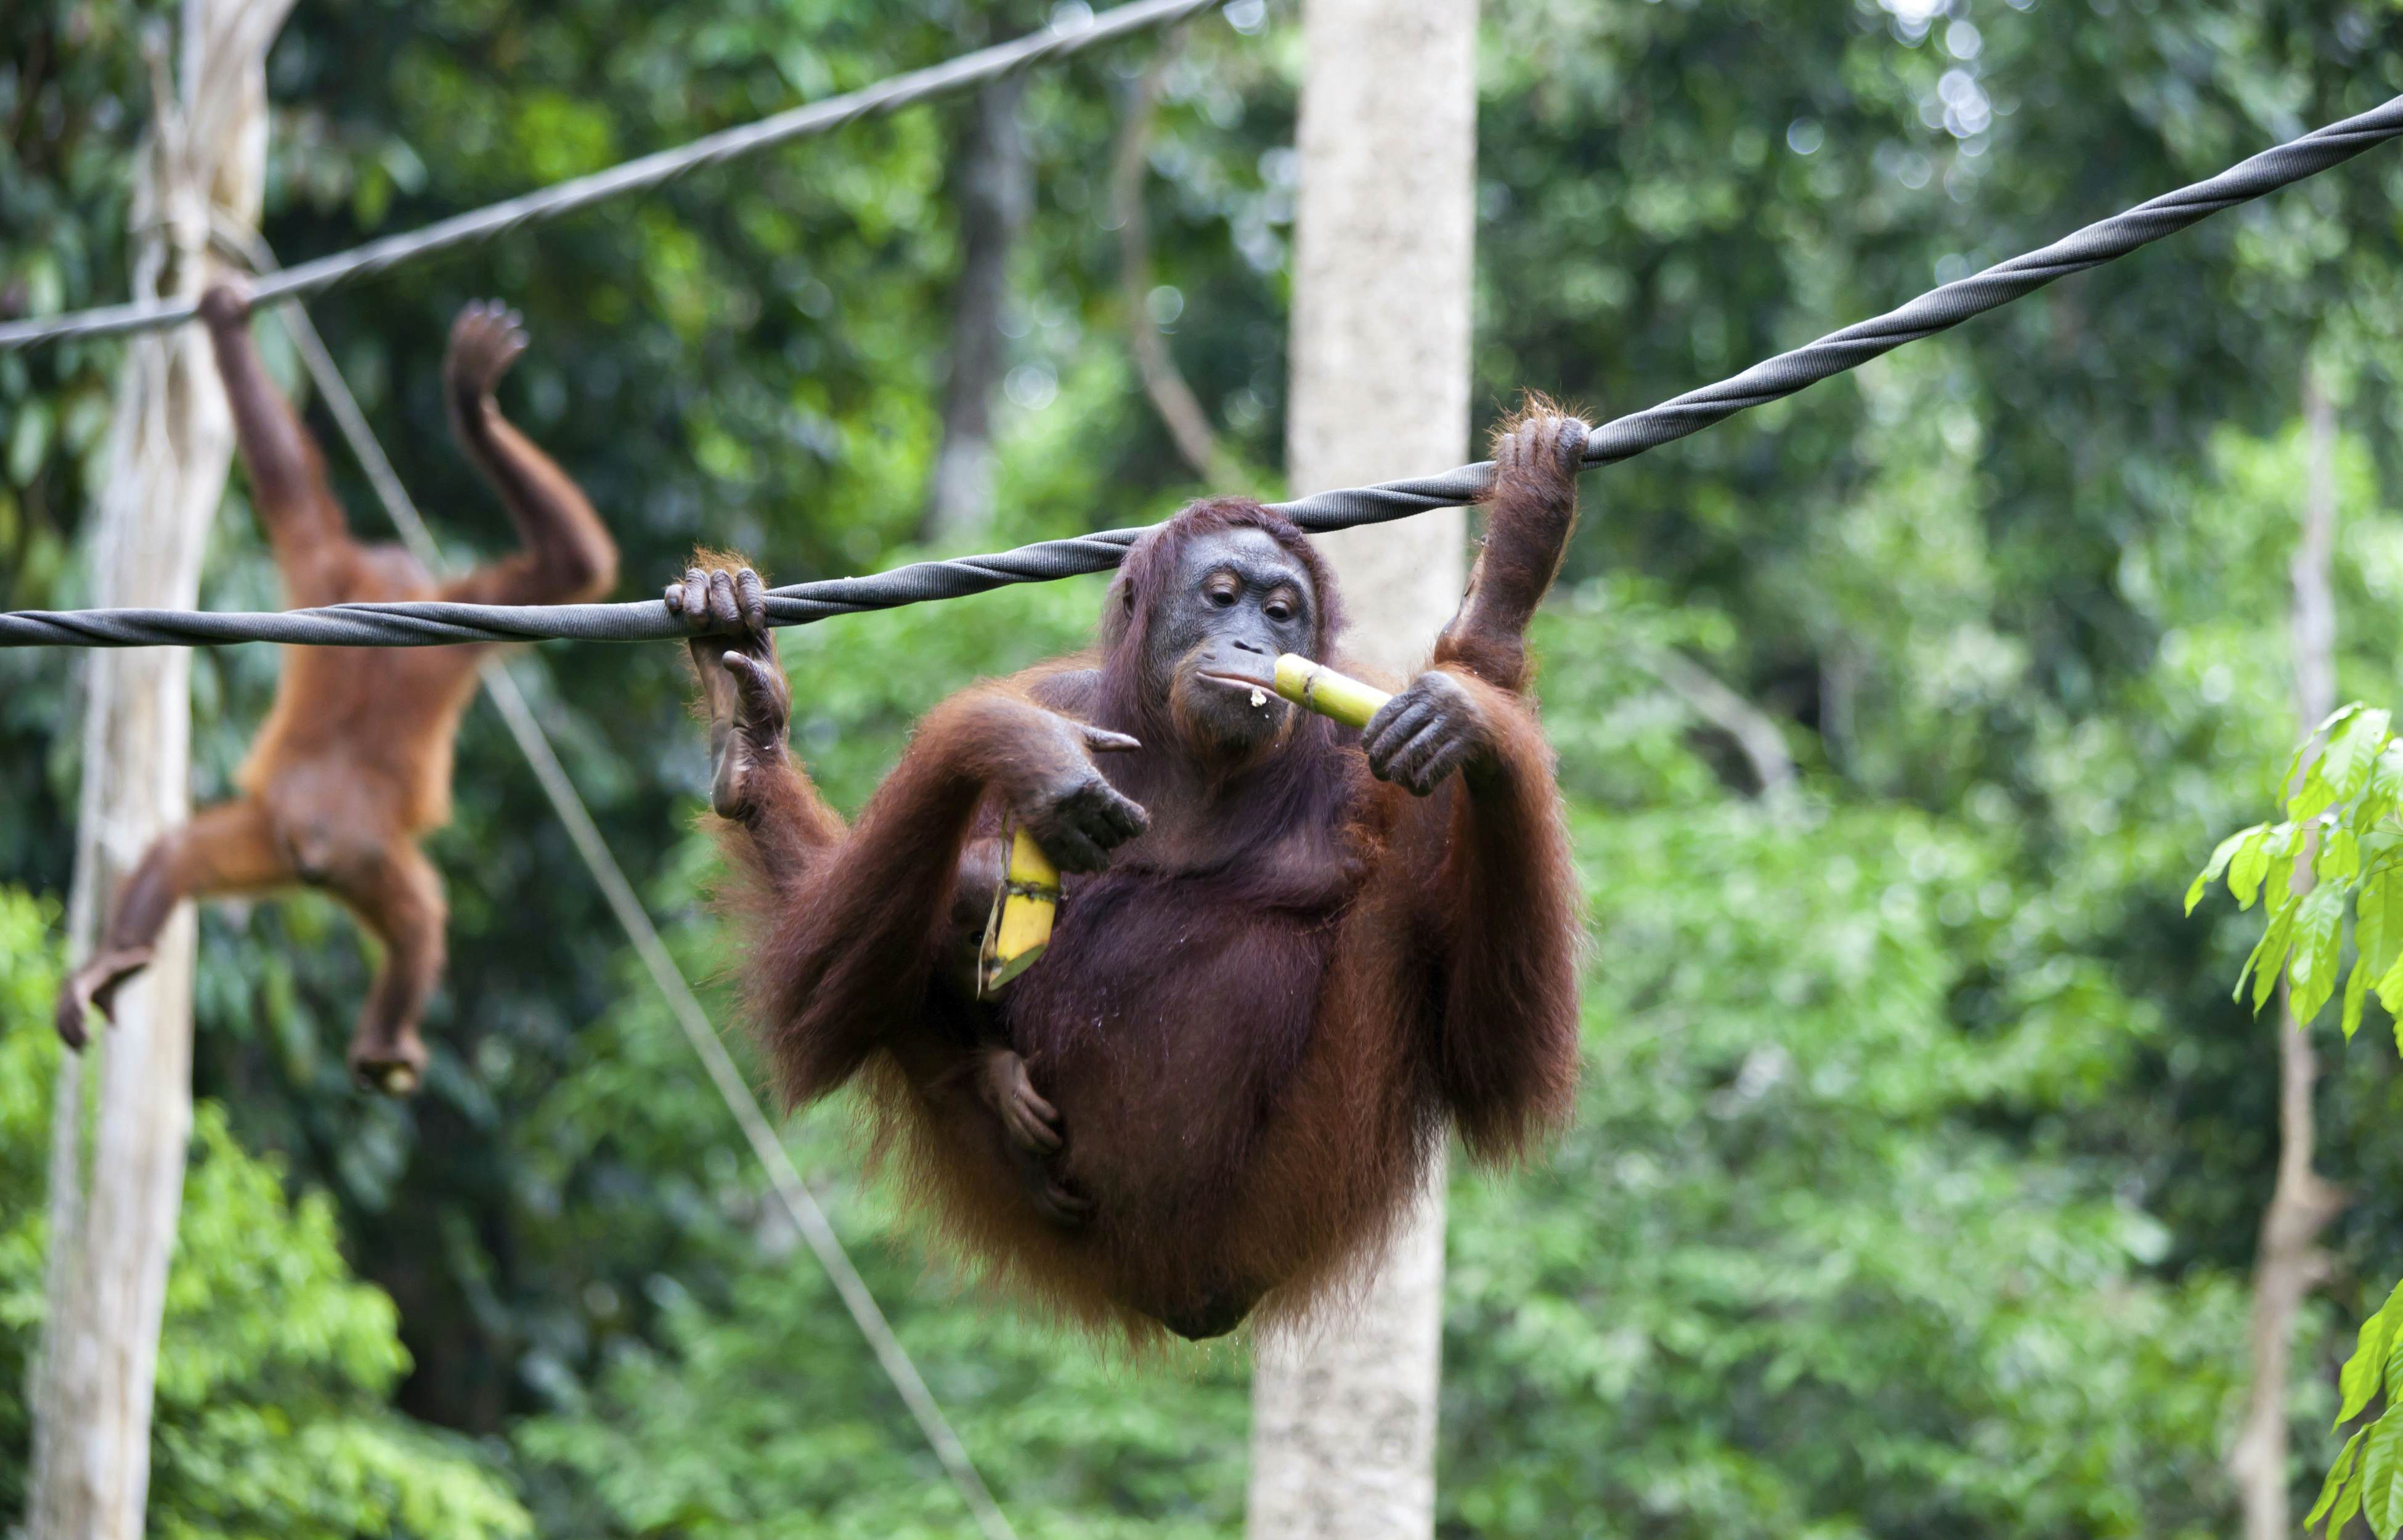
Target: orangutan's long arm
(1496, 895)
(566, 555)
(852, 923)
(1507, 925)
(849, 956)
(1474, 876)
(288, 476)
(1530, 515)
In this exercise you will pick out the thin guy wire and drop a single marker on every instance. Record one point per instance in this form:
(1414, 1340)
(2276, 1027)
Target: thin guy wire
(801, 1205)
(642, 174)
(431, 624)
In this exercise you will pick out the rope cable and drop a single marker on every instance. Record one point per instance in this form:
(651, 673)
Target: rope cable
(1073, 32)
(801, 1205)
(435, 623)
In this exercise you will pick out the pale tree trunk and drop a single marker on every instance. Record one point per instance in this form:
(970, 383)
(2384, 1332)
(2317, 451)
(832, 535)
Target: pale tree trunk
(1343, 1410)
(113, 1225)
(2290, 1263)
(997, 191)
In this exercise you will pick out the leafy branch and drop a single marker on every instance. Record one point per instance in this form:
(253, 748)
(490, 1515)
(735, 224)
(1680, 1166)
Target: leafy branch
(2368, 1476)
(2341, 817)
(2344, 825)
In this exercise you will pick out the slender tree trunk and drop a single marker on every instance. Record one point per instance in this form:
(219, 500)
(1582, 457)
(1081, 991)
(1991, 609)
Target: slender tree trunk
(995, 192)
(113, 1226)
(1180, 410)
(2290, 1263)
(1343, 1412)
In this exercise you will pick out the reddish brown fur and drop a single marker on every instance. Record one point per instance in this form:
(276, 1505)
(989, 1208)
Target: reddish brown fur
(1257, 1024)
(353, 760)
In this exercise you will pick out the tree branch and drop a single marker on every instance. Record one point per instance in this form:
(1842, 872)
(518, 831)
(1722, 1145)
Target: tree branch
(1188, 424)
(2290, 1263)
(1754, 731)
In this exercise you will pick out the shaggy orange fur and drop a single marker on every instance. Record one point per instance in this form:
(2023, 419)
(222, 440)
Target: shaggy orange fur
(1257, 1022)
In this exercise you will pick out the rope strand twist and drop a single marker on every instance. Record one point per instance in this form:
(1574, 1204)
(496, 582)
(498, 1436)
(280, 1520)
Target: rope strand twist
(1072, 35)
(435, 624)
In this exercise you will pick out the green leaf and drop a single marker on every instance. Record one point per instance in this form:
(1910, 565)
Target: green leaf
(2377, 920)
(2377, 934)
(2340, 855)
(2269, 956)
(2297, 778)
(2364, 1373)
(2390, 992)
(2319, 925)
(2381, 1472)
(2384, 793)
(2284, 845)
(2337, 717)
(2345, 765)
(2250, 864)
(2335, 1482)
(2219, 859)
(2342, 768)
(2290, 783)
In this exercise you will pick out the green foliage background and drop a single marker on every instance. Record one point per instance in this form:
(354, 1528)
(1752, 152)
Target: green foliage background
(1914, 1184)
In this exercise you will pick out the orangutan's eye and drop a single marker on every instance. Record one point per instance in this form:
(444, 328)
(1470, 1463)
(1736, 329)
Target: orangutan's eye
(1280, 610)
(1222, 596)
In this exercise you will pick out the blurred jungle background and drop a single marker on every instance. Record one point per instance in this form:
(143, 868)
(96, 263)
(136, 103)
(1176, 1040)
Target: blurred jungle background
(1922, 1152)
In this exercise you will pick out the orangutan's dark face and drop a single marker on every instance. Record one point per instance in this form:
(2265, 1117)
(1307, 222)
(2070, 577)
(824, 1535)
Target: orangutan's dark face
(1238, 599)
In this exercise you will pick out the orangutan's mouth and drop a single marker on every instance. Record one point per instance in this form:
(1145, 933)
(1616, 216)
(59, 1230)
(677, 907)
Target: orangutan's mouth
(1237, 682)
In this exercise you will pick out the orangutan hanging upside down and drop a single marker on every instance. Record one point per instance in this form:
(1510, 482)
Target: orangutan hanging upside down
(354, 762)
(1291, 956)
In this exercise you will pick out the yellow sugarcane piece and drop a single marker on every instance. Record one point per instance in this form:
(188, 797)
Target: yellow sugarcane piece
(1019, 926)
(1326, 692)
